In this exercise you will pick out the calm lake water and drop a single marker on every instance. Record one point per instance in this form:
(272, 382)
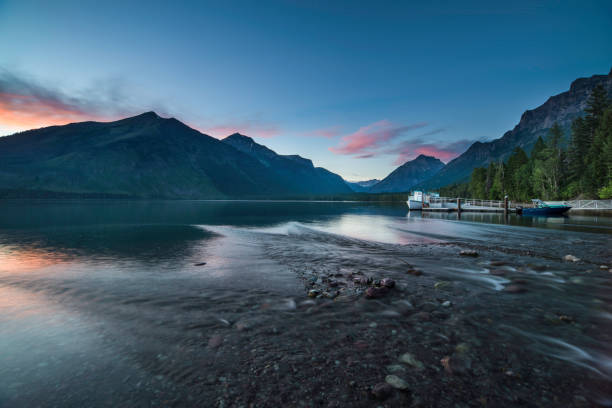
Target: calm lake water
(109, 303)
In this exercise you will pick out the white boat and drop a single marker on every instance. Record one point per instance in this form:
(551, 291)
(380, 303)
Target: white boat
(415, 201)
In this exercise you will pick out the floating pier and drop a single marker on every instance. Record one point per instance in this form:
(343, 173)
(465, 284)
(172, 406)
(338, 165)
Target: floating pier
(446, 204)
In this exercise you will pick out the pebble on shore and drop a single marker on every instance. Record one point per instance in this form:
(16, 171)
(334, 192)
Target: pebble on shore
(571, 258)
(374, 293)
(396, 382)
(382, 391)
(409, 359)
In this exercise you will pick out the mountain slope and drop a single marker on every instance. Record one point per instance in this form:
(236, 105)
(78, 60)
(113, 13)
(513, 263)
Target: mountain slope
(362, 186)
(296, 173)
(408, 175)
(562, 109)
(142, 156)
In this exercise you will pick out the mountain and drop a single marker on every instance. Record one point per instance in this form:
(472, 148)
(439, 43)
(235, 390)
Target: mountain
(361, 186)
(143, 156)
(562, 109)
(408, 175)
(296, 174)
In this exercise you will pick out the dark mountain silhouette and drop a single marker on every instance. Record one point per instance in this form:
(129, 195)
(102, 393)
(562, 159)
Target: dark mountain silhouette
(295, 173)
(142, 156)
(408, 175)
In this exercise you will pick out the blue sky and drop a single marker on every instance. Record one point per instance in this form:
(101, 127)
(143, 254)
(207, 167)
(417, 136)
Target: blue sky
(358, 87)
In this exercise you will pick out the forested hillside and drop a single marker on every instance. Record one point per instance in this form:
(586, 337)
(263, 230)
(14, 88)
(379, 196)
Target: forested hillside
(583, 169)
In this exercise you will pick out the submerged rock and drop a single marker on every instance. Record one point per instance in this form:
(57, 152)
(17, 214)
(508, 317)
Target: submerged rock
(468, 252)
(215, 341)
(441, 284)
(409, 359)
(382, 391)
(571, 258)
(396, 382)
(313, 293)
(374, 293)
(396, 368)
(515, 288)
(389, 283)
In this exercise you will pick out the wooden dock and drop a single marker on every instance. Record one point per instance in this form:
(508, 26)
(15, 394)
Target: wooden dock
(446, 204)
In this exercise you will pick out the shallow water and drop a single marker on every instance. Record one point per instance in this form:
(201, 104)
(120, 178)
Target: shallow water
(107, 303)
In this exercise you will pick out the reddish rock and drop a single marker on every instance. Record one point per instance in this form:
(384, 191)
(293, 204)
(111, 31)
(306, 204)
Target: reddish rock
(515, 289)
(374, 293)
(215, 341)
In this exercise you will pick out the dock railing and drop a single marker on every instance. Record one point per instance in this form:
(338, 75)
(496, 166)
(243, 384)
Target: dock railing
(585, 204)
(443, 202)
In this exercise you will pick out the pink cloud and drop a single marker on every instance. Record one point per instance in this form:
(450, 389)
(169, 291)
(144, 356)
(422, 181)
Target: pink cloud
(370, 137)
(410, 149)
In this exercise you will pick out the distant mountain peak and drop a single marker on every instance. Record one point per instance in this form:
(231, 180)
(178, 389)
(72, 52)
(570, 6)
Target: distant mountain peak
(408, 175)
(239, 136)
(426, 157)
(149, 114)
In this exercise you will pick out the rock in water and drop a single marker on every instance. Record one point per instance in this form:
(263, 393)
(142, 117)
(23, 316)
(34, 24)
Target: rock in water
(468, 252)
(382, 391)
(374, 293)
(571, 258)
(313, 293)
(215, 341)
(389, 283)
(396, 382)
(515, 289)
(411, 360)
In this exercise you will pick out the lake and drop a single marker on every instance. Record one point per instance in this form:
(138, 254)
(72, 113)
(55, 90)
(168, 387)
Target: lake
(238, 303)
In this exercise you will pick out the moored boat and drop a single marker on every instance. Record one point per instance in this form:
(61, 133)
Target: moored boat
(415, 201)
(541, 208)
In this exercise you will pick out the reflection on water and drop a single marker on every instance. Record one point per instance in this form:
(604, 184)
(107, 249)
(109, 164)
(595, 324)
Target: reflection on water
(119, 303)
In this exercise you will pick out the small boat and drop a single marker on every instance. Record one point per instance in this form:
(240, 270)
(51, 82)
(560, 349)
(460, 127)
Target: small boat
(541, 208)
(415, 201)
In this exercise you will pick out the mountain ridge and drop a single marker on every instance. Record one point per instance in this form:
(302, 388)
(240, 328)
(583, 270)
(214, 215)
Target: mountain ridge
(562, 109)
(408, 175)
(143, 156)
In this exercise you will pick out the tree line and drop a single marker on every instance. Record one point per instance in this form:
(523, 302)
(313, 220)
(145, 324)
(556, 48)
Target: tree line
(555, 170)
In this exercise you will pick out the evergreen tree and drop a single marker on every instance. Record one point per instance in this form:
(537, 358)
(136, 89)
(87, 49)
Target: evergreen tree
(478, 182)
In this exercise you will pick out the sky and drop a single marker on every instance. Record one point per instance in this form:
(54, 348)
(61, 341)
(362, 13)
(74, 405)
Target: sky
(358, 87)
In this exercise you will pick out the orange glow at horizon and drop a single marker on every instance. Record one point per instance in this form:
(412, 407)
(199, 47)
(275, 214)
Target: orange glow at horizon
(28, 112)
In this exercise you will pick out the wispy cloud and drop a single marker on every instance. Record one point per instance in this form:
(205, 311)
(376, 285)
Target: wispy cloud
(368, 138)
(445, 151)
(384, 138)
(26, 103)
